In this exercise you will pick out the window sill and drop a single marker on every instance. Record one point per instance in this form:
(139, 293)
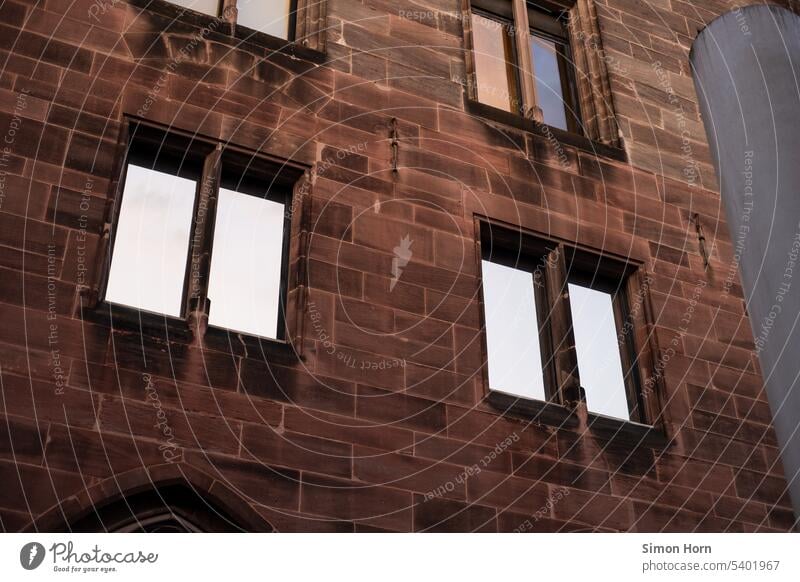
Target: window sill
(566, 137)
(547, 413)
(629, 433)
(222, 30)
(246, 345)
(122, 317)
(158, 326)
(274, 44)
(623, 433)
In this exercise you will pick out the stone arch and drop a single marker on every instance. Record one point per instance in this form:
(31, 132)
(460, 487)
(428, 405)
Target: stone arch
(178, 494)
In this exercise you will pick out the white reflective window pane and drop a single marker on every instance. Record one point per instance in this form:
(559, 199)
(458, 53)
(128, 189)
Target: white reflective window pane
(599, 361)
(210, 7)
(269, 16)
(548, 82)
(512, 331)
(495, 78)
(245, 280)
(151, 245)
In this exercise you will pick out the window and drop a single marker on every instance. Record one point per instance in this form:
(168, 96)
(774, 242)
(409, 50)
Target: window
(512, 331)
(201, 230)
(561, 326)
(496, 78)
(599, 360)
(152, 241)
(247, 260)
(522, 62)
(275, 17)
(210, 7)
(553, 71)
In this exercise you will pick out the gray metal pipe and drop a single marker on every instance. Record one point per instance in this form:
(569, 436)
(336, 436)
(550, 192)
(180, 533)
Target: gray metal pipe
(747, 75)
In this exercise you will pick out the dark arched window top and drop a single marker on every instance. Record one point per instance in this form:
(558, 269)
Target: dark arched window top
(165, 509)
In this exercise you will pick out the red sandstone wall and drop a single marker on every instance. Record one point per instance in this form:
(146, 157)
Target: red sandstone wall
(322, 444)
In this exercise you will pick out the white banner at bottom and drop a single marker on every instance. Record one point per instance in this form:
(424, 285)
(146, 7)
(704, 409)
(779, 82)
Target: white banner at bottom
(400, 557)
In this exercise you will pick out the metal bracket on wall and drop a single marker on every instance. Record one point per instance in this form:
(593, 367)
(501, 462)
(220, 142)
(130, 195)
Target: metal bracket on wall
(395, 144)
(701, 239)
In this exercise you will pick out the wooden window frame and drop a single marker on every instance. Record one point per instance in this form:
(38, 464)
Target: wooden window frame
(554, 264)
(213, 164)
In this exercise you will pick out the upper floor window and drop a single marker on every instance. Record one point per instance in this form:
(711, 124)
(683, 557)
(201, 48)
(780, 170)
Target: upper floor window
(542, 60)
(553, 71)
(210, 7)
(562, 325)
(275, 17)
(278, 18)
(521, 61)
(496, 69)
(201, 230)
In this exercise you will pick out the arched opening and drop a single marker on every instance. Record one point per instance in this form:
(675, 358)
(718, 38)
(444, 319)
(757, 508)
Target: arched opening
(168, 498)
(169, 509)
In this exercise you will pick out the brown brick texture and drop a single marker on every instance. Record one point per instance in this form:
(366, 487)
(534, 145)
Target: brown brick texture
(383, 423)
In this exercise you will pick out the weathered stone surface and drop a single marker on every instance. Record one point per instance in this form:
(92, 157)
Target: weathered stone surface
(385, 406)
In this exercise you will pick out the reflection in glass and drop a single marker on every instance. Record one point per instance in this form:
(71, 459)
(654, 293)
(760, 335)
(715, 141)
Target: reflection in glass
(599, 362)
(269, 16)
(244, 286)
(549, 92)
(495, 73)
(151, 244)
(210, 7)
(512, 335)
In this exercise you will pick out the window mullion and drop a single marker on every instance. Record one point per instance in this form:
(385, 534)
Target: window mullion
(565, 359)
(642, 342)
(201, 242)
(471, 79)
(228, 10)
(530, 107)
(622, 315)
(309, 21)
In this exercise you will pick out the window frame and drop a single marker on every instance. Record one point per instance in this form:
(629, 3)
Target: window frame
(523, 16)
(557, 31)
(287, 178)
(570, 262)
(307, 26)
(138, 153)
(232, 5)
(527, 260)
(597, 272)
(517, 100)
(282, 193)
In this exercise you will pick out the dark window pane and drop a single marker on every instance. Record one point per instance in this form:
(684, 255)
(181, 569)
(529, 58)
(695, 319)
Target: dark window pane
(246, 262)
(599, 360)
(495, 70)
(512, 331)
(549, 86)
(151, 243)
(270, 16)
